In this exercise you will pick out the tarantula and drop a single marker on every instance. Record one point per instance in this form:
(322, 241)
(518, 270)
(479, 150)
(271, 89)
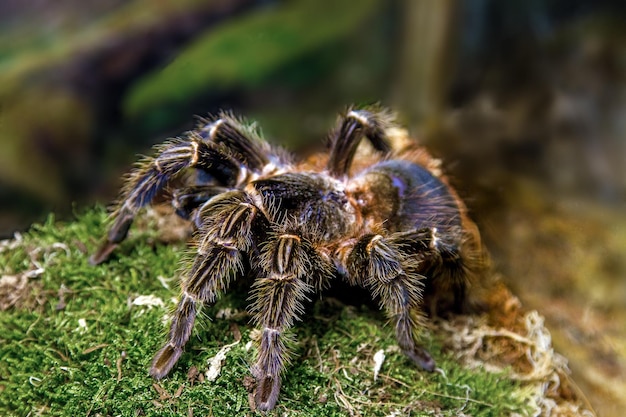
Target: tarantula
(382, 218)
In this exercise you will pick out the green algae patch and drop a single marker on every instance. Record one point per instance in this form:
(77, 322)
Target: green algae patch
(78, 339)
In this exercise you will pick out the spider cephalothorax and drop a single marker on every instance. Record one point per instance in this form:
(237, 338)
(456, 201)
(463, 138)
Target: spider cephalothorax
(382, 218)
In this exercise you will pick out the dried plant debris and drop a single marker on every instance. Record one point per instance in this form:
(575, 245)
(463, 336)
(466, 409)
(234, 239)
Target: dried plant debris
(20, 289)
(91, 357)
(528, 355)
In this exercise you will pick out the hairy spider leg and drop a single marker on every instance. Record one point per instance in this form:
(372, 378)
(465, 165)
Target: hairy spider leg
(353, 126)
(448, 276)
(289, 270)
(243, 140)
(225, 238)
(390, 267)
(223, 149)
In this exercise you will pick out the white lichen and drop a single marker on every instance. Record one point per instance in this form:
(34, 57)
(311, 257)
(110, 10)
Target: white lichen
(379, 358)
(82, 326)
(148, 301)
(215, 363)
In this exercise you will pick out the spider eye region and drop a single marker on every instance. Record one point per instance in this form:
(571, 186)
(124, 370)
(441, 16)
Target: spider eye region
(313, 201)
(334, 197)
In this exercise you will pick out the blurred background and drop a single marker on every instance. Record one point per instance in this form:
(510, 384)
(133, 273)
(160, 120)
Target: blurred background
(525, 102)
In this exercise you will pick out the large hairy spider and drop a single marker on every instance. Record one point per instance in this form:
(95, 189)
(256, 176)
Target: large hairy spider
(382, 218)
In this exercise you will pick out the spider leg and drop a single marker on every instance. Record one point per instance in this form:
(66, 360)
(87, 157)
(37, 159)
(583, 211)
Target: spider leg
(153, 174)
(225, 238)
(290, 270)
(345, 139)
(243, 140)
(390, 267)
(449, 274)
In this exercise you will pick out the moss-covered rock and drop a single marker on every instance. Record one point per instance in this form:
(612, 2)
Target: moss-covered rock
(78, 341)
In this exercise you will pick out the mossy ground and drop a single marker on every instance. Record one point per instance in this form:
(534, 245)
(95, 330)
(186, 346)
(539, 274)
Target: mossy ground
(77, 341)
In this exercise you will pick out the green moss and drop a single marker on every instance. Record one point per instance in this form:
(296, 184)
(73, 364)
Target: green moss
(83, 348)
(245, 52)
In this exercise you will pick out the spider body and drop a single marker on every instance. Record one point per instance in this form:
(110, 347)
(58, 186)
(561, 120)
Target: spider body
(384, 220)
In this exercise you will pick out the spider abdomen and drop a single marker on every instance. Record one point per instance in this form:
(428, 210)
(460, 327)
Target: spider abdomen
(402, 195)
(424, 200)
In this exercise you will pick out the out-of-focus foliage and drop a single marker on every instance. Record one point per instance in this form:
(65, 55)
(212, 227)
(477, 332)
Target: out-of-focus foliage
(250, 52)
